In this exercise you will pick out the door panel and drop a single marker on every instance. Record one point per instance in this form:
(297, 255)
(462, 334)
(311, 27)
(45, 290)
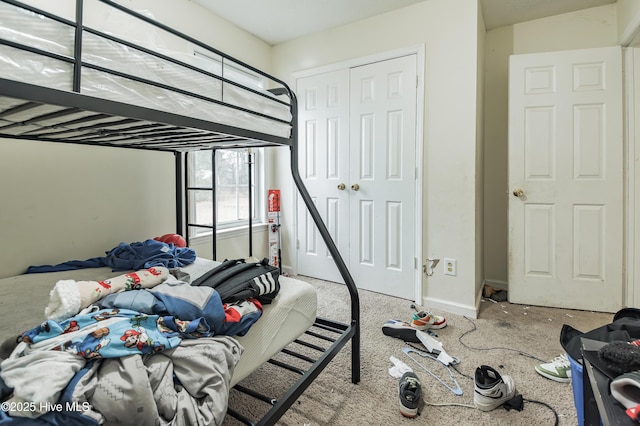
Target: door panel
(383, 130)
(324, 161)
(566, 179)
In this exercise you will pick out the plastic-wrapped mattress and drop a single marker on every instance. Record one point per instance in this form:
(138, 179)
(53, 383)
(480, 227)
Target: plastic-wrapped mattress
(200, 84)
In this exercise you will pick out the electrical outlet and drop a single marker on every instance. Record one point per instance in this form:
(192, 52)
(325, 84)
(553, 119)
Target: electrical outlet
(450, 267)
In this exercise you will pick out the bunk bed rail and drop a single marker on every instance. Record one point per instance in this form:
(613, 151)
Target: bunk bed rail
(335, 254)
(206, 97)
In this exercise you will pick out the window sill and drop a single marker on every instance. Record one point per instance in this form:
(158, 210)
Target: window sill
(227, 233)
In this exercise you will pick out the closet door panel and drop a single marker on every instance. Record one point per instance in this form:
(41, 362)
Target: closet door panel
(383, 129)
(324, 163)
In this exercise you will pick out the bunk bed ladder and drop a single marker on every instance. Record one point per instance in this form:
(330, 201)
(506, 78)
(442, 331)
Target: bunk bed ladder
(188, 197)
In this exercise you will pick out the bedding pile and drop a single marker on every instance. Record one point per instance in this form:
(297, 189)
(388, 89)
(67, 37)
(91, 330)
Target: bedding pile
(68, 297)
(129, 256)
(140, 348)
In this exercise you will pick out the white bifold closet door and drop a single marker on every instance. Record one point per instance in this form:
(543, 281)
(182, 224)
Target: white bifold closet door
(357, 148)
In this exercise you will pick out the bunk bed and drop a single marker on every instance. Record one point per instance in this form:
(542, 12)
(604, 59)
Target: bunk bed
(71, 81)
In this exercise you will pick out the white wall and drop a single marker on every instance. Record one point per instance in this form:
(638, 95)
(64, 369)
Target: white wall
(593, 27)
(498, 47)
(588, 28)
(628, 19)
(448, 28)
(63, 202)
(480, 150)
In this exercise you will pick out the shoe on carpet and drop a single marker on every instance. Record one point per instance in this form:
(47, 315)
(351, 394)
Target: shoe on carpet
(626, 389)
(424, 320)
(491, 389)
(400, 330)
(559, 369)
(410, 393)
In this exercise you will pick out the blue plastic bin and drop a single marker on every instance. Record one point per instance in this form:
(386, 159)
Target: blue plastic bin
(576, 385)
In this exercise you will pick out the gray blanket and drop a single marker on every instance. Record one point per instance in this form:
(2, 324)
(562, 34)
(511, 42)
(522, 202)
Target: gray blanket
(142, 390)
(187, 385)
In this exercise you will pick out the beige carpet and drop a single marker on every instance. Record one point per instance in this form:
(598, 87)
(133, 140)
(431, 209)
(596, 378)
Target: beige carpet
(506, 336)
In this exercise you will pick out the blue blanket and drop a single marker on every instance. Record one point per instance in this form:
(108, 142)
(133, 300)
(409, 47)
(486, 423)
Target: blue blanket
(125, 257)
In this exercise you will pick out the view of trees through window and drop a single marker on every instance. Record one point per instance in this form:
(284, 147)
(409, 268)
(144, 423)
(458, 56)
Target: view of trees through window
(232, 187)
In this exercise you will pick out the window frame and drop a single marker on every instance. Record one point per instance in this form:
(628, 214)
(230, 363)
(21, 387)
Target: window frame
(234, 227)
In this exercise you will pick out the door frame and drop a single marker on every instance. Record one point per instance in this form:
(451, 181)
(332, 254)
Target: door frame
(631, 67)
(419, 51)
(629, 40)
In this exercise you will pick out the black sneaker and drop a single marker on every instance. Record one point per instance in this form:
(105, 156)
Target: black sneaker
(400, 330)
(410, 394)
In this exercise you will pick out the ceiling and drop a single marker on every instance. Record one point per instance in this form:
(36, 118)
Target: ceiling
(277, 21)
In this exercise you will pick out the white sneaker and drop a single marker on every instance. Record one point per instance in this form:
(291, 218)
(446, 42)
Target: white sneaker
(491, 389)
(424, 320)
(559, 369)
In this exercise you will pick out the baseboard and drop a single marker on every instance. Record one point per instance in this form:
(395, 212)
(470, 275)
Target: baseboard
(454, 308)
(288, 270)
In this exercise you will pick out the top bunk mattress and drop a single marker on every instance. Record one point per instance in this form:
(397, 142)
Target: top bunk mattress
(23, 299)
(128, 60)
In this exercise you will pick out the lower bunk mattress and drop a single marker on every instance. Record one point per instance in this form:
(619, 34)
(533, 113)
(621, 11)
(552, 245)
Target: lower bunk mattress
(290, 314)
(23, 300)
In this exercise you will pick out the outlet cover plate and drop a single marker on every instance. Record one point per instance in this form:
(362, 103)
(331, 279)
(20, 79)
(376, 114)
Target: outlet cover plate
(450, 267)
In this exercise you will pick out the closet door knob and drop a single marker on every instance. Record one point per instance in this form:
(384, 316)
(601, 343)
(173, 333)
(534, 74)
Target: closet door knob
(342, 187)
(355, 187)
(518, 192)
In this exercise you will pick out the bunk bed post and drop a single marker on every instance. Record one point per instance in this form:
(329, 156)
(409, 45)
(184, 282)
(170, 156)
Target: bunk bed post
(77, 47)
(178, 156)
(326, 236)
(249, 164)
(214, 209)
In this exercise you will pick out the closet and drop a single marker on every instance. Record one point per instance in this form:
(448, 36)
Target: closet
(358, 159)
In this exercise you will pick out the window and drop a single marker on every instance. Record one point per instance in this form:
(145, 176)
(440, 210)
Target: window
(231, 189)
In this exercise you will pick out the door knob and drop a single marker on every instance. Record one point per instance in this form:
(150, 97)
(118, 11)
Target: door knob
(355, 187)
(518, 192)
(342, 186)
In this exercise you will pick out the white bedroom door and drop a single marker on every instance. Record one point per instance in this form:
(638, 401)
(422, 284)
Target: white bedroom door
(566, 179)
(358, 161)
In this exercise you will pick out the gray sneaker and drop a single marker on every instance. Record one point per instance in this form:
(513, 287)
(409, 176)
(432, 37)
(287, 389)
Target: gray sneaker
(559, 369)
(491, 389)
(410, 393)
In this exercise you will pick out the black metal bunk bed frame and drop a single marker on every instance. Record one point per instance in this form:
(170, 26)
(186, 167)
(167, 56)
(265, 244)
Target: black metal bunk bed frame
(81, 119)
